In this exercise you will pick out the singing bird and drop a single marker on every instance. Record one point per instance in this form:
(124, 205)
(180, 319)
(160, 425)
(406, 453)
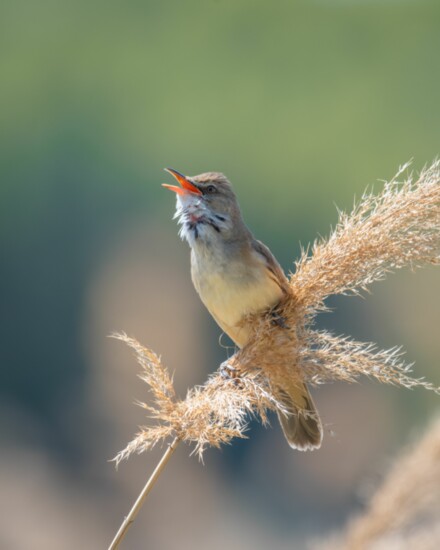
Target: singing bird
(236, 275)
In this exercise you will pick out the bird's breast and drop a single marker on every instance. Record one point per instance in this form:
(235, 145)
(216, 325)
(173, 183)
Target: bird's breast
(233, 289)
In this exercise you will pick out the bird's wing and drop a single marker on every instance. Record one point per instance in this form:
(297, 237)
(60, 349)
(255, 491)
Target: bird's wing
(276, 271)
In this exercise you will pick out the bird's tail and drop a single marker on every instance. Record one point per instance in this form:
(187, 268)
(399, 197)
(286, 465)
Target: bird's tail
(302, 425)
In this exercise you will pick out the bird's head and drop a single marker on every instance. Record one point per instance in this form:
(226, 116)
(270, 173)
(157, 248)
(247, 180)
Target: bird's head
(206, 206)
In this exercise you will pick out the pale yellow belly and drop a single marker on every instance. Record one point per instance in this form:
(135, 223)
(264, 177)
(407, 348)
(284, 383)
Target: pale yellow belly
(230, 299)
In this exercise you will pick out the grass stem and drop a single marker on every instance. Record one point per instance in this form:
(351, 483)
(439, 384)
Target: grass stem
(143, 495)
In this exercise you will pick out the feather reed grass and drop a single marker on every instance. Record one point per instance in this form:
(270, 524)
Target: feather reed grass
(399, 227)
(404, 512)
(211, 415)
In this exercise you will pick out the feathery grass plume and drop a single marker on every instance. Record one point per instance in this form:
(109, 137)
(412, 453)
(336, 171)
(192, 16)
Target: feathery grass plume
(404, 512)
(398, 227)
(211, 415)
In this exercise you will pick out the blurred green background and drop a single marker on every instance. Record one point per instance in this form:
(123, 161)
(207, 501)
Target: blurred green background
(302, 104)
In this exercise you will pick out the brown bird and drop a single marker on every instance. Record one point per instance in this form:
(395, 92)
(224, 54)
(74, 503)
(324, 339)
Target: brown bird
(236, 275)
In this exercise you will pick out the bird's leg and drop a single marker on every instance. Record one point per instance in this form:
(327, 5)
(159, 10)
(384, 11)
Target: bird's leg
(277, 320)
(228, 372)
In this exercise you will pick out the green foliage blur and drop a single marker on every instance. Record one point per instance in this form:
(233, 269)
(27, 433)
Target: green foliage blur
(301, 103)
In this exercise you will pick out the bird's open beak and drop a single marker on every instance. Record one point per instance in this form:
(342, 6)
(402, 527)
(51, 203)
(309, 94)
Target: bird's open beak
(186, 185)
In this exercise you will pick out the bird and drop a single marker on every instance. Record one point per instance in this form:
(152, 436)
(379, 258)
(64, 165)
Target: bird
(235, 276)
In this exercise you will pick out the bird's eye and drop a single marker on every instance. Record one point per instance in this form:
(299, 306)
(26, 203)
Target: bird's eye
(210, 189)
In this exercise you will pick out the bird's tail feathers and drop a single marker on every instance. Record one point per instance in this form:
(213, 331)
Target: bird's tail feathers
(301, 423)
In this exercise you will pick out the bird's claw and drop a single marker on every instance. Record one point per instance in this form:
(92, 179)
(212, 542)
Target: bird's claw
(229, 372)
(278, 320)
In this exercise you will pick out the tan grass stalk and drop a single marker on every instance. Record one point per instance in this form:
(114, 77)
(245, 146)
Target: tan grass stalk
(398, 227)
(406, 505)
(128, 521)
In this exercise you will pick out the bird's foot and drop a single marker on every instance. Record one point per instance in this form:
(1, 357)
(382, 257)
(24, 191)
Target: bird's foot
(228, 372)
(278, 320)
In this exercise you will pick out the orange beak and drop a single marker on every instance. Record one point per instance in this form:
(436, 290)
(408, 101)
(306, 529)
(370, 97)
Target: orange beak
(186, 185)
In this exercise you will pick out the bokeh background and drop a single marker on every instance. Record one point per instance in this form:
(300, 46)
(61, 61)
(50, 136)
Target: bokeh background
(302, 104)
